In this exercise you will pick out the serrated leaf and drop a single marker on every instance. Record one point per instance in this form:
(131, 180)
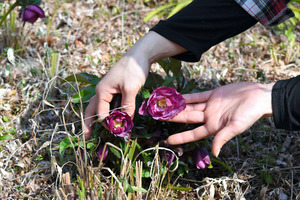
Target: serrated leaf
(85, 94)
(5, 137)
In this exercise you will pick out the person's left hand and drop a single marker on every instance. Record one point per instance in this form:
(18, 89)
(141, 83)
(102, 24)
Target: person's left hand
(226, 112)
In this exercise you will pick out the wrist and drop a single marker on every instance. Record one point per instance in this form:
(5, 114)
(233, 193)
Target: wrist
(267, 89)
(153, 47)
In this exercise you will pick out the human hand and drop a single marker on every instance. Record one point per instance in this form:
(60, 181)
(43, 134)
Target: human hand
(226, 112)
(127, 77)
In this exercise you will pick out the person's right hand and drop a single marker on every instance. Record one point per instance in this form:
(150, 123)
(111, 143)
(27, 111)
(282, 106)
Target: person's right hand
(127, 77)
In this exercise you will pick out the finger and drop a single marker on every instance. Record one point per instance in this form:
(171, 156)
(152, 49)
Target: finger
(190, 117)
(104, 98)
(197, 97)
(188, 136)
(222, 137)
(195, 107)
(89, 117)
(128, 103)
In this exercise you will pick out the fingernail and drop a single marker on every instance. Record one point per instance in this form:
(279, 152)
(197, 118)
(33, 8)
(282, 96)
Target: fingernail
(218, 153)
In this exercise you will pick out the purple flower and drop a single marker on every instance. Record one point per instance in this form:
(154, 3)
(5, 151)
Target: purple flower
(99, 152)
(168, 157)
(31, 13)
(156, 137)
(164, 103)
(119, 123)
(201, 158)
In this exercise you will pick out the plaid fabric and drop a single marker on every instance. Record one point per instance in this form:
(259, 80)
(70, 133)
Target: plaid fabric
(267, 12)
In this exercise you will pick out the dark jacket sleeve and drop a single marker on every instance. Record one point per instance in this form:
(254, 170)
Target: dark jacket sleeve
(203, 24)
(286, 104)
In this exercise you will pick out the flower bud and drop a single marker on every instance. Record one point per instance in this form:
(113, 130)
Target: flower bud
(201, 158)
(168, 157)
(31, 13)
(99, 152)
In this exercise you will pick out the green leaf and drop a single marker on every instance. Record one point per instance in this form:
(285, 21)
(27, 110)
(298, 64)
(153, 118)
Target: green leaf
(180, 188)
(157, 11)
(151, 83)
(175, 66)
(266, 177)
(165, 64)
(63, 145)
(83, 78)
(5, 137)
(132, 150)
(25, 3)
(145, 173)
(85, 94)
(138, 189)
(179, 6)
(66, 144)
(5, 119)
(115, 152)
(168, 81)
(90, 145)
(146, 94)
(129, 187)
(223, 164)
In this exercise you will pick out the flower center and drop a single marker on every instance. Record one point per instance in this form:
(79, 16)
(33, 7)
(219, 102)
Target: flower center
(162, 103)
(118, 124)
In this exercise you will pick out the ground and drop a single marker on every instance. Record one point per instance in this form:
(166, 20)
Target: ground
(90, 36)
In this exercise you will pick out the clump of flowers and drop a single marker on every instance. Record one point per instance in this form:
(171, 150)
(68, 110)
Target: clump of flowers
(30, 11)
(118, 123)
(100, 150)
(201, 158)
(164, 103)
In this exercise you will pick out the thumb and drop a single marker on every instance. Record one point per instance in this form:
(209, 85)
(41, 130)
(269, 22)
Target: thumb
(89, 117)
(221, 138)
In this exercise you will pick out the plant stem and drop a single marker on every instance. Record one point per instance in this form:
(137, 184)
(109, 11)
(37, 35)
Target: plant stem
(5, 15)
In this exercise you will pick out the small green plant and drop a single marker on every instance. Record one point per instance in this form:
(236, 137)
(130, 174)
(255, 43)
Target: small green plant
(167, 9)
